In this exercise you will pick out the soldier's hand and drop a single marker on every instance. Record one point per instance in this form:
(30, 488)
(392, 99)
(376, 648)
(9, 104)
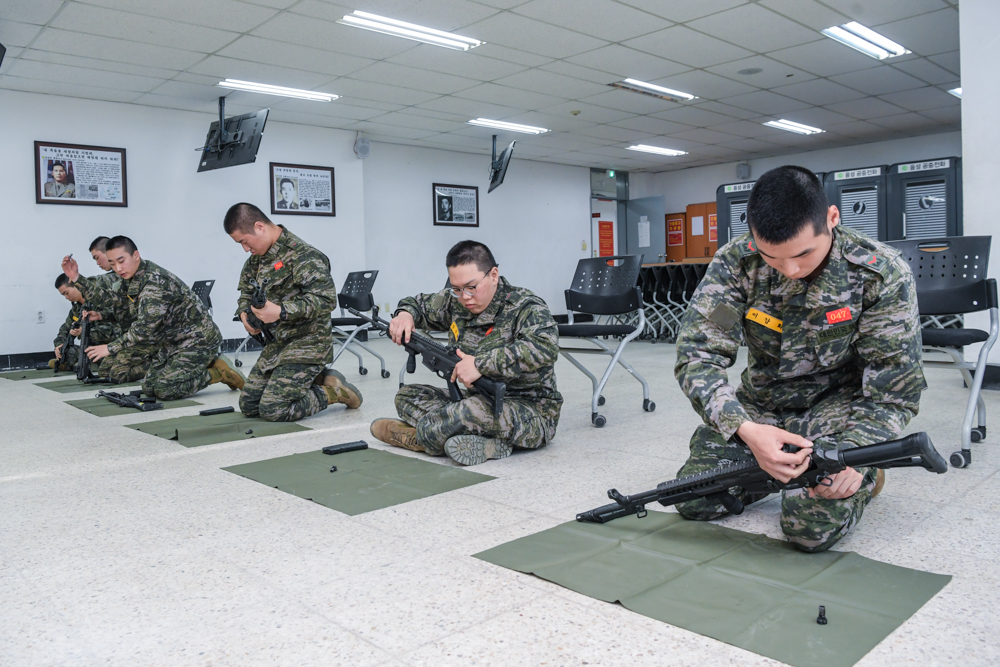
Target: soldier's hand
(70, 268)
(400, 327)
(58, 353)
(92, 315)
(250, 329)
(465, 370)
(842, 485)
(75, 332)
(766, 442)
(97, 352)
(271, 312)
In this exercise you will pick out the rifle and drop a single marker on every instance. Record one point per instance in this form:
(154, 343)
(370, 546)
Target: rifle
(62, 353)
(133, 399)
(913, 451)
(258, 299)
(440, 360)
(83, 361)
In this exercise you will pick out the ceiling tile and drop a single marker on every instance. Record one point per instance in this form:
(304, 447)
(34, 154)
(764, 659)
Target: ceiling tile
(925, 70)
(9, 59)
(650, 125)
(538, 81)
(13, 33)
(883, 11)
(817, 117)
(33, 69)
(878, 80)
(366, 90)
(636, 103)
(508, 55)
(922, 99)
(245, 70)
(773, 74)
(865, 108)
(472, 65)
(927, 34)
(190, 91)
(403, 119)
(496, 94)
(628, 63)
(66, 89)
(703, 136)
(282, 54)
(704, 85)
(451, 16)
(694, 116)
(376, 130)
(37, 12)
(726, 110)
(765, 102)
(393, 74)
(96, 64)
(285, 116)
(432, 113)
(808, 12)
(146, 29)
(561, 123)
(167, 102)
(566, 68)
(819, 92)
(597, 18)
(951, 61)
(277, 4)
(745, 128)
(337, 109)
(327, 36)
(588, 112)
(612, 133)
(469, 108)
(522, 33)
(750, 145)
(233, 16)
(951, 114)
(463, 141)
(906, 121)
(824, 58)
(683, 45)
(755, 28)
(683, 10)
(106, 48)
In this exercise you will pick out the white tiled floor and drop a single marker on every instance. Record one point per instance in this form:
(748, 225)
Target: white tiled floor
(118, 548)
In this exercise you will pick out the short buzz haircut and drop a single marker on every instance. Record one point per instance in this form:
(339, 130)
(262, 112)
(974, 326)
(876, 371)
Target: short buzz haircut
(783, 201)
(242, 217)
(61, 280)
(58, 163)
(100, 244)
(286, 180)
(122, 242)
(471, 252)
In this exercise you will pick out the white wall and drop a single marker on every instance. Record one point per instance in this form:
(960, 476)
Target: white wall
(174, 213)
(534, 223)
(697, 185)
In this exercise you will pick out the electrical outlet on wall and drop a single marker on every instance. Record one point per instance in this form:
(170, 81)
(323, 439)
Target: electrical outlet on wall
(40, 317)
(583, 245)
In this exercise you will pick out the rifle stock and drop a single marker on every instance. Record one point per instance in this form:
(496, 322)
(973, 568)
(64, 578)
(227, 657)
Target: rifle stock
(83, 361)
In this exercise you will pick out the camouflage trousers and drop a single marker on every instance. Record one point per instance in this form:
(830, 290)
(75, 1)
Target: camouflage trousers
(129, 365)
(178, 372)
(812, 524)
(437, 418)
(283, 394)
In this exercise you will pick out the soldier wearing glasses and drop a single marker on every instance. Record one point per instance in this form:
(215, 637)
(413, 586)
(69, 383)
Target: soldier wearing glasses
(502, 332)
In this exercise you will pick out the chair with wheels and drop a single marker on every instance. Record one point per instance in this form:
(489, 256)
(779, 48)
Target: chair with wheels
(950, 275)
(605, 286)
(356, 294)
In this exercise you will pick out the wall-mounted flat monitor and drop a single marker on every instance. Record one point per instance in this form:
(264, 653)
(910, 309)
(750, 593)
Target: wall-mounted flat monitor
(237, 145)
(499, 167)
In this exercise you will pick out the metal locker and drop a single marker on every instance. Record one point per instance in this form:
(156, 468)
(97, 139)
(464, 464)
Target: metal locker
(925, 199)
(860, 194)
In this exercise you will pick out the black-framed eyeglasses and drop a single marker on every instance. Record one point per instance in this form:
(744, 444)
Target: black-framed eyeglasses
(467, 291)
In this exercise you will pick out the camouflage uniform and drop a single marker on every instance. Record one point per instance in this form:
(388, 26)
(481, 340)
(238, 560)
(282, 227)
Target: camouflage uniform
(100, 332)
(280, 386)
(515, 341)
(837, 361)
(103, 294)
(160, 313)
(100, 291)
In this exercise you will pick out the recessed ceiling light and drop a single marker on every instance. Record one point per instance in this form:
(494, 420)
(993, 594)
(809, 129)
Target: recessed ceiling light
(790, 126)
(865, 40)
(656, 149)
(749, 71)
(412, 31)
(266, 89)
(637, 86)
(511, 127)
(957, 92)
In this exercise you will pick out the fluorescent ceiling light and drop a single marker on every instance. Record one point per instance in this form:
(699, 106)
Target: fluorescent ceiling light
(412, 31)
(957, 92)
(656, 149)
(512, 127)
(865, 40)
(637, 86)
(251, 87)
(790, 126)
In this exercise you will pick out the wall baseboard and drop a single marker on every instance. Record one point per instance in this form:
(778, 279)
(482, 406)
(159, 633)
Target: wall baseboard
(16, 362)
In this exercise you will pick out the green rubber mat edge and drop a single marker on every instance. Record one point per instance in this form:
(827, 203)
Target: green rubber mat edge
(198, 431)
(31, 374)
(73, 386)
(102, 407)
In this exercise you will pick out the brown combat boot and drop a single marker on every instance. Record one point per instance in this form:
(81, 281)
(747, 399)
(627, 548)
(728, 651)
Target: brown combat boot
(396, 433)
(879, 483)
(469, 450)
(339, 390)
(221, 371)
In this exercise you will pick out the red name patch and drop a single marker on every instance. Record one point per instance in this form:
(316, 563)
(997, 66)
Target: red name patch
(839, 315)
(278, 265)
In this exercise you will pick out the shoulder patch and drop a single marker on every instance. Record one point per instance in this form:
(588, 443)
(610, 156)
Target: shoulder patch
(875, 261)
(748, 247)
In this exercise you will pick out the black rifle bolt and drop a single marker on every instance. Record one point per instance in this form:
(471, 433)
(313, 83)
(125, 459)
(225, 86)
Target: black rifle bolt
(249, 431)
(821, 619)
(333, 469)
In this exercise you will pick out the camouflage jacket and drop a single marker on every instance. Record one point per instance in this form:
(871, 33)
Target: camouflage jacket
(515, 340)
(299, 279)
(855, 326)
(100, 332)
(100, 291)
(155, 308)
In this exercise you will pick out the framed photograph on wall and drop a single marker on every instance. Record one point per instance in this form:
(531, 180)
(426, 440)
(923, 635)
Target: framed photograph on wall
(299, 189)
(76, 174)
(455, 205)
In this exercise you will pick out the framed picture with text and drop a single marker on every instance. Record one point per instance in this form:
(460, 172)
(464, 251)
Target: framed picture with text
(455, 205)
(77, 174)
(299, 189)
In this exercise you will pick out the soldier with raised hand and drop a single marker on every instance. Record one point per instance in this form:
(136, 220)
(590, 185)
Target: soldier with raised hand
(830, 319)
(100, 332)
(160, 314)
(502, 332)
(289, 380)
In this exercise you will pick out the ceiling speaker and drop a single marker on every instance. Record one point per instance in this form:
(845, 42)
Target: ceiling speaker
(362, 148)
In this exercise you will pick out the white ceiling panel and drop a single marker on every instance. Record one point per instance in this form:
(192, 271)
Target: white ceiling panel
(927, 34)
(451, 16)
(588, 112)
(883, 11)
(695, 116)
(37, 12)
(561, 141)
(522, 33)
(66, 90)
(925, 70)
(403, 119)
(13, 33)
(751, 146)
(922, 99)
(614, 134)
(393, 74)
(503, 95)
(189, 91)
(471, 64)
(704, 136)
(722, 152)
(727, 110)
(951, 115)
(808, 12)
(680, 11)
(106, 48)
(817, 117)
(628, 63)
(146, 29)
(440, 115)
(819, 92)
(865, 108)
(470, 108)
(636, 103)
(293, 56)
(704, 85)
(167, 102)
(755, 28)
(366, 90)
(878, 80)
(745, 128)
(824, 58)
(951, 61)
(378, 130)
(540, 81)
(560, 123)
(228, 15)
(277, 4)
(906, 121)
(683, 45)
(327, 36)
(765, 102)
(336, 109)
(285, 116)
(773, 73)
(96, 64)
(650, 125)
(509, 55)
(597, 18)
(245, 70)
(857, 129)
(34, 69)
(12, 53)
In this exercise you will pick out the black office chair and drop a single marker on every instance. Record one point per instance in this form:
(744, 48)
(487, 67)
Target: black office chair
(605, 286)
(356, 294)
(203, 288)
(950, 275)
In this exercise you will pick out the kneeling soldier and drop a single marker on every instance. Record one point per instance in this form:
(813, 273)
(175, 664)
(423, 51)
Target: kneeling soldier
(289, 380)
(100, 332)
(502, 332)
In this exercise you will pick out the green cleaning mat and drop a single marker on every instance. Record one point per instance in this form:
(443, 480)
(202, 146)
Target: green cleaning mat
(365, 480)
(102, 407)
(748, 590)
(72, 386)
(197, 431)
(31, 374)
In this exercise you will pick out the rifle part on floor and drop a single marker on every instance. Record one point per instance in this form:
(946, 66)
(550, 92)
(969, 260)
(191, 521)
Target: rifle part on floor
(133, 399)
(345, 447)
(217, 411)
(913, 451)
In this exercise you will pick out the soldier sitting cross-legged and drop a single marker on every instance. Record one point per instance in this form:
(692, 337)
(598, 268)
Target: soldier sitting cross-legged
(504, 333)
(830, 319)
